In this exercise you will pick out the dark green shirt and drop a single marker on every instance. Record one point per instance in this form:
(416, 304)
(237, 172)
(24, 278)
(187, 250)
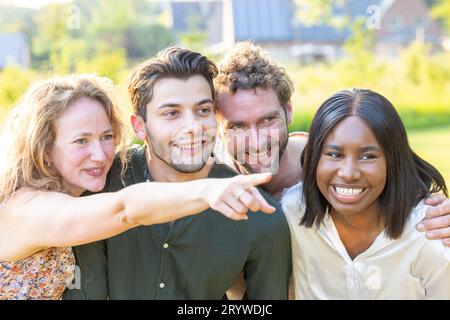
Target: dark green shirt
(197, 257)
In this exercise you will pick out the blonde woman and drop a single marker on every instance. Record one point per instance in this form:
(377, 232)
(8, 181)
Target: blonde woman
(58, 142)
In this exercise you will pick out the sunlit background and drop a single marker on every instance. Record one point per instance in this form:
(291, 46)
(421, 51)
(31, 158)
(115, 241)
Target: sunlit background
(399, 48)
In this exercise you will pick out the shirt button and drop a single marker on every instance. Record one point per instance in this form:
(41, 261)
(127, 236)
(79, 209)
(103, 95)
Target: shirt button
(162, 285)
(165, 245)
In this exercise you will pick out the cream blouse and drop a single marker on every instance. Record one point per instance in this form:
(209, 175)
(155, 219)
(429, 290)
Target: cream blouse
(411, 267)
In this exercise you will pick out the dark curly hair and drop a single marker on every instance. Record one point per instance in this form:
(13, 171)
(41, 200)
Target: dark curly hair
(247, 66)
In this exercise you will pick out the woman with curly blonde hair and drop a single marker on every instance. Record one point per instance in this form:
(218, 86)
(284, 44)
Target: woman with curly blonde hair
(57, 143)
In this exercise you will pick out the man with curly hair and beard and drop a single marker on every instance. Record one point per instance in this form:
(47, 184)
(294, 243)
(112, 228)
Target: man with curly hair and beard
(254, 110)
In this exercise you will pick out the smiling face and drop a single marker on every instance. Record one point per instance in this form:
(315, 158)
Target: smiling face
(181, 125)
(84, 147)
(255, 128)
(351, 173)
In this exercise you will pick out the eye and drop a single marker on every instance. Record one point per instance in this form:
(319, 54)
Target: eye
(170, 114)
(267, 122)
(334, 154)
(236, 127)
(81, 141)
(204, 111)
(108, 137)
(368, 157)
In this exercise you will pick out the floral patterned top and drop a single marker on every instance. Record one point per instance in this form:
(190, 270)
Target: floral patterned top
(42, 276)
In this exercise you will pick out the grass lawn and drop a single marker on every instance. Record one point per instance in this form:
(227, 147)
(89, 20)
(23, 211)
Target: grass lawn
(433, 145)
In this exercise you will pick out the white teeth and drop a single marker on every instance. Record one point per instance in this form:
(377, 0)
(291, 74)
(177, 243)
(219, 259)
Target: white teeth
(189, 146)
(348, 192)
(260, 154)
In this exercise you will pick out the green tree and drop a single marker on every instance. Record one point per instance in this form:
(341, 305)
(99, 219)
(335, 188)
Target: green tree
(13, 83)
(441, 10)
(131, 25)
(311, 12)
(105, 62)
(17, 19)
(194, 38)
(145, 39)
(359, 46)
(51, 31)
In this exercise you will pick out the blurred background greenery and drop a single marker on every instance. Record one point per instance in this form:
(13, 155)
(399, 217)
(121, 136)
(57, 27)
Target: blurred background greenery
(110, 37)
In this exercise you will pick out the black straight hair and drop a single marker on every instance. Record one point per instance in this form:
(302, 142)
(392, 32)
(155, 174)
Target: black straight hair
(409, 178)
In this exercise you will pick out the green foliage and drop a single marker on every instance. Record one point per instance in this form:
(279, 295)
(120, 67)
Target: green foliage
(417, 83)
(105, 63)
(64, 35)
(311, 12)
(16, 19)
(441, 10)
(359, 46)
(51, 30)
(144, 39)
(13, 83)
(431, 145)
(65, 54)
(194, 39)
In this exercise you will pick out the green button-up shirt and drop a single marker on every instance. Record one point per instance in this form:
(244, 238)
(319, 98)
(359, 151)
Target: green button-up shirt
(196, 257)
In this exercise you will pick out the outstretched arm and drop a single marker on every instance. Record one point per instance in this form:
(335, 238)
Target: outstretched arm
(36, 220)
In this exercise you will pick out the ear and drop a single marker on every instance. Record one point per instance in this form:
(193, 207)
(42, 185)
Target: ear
(289, 112)
(139, 127)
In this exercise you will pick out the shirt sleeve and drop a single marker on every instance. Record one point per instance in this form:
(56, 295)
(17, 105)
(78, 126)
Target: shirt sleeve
(91, 282)
(269, 266)
(432, 268)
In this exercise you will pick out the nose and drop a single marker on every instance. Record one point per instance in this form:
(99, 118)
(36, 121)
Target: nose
(349, 170)
(253, 136)
(192, 125)
(98, 153)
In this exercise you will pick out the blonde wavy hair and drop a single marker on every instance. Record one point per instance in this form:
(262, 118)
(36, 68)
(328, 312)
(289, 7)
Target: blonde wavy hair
(29, 132)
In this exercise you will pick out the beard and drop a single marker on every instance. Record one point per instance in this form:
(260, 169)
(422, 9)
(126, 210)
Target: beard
(189, 164)
(276, 150)
(274, 165)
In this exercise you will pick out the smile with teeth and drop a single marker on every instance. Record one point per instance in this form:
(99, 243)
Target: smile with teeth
(261, 153)
(95, 172)
(348, 192)
(189, 146)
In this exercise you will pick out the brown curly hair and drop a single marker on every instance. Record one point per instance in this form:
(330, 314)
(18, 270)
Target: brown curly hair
(248, 66)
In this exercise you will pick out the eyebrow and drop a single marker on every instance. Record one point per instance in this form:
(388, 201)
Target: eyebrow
(363, 149)
(89, 134)
(175, 105)
(369, 148)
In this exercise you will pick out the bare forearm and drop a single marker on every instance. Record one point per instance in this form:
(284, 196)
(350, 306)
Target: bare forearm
(151, 203)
